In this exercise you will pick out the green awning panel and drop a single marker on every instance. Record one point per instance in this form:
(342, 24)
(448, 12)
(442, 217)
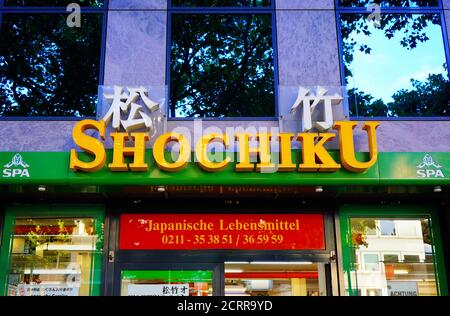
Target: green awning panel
(391, 169)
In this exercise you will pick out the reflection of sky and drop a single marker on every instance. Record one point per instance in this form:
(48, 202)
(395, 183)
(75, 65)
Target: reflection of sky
(389, 66)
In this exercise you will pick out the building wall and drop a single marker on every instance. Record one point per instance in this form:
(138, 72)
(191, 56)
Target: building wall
(307, 55)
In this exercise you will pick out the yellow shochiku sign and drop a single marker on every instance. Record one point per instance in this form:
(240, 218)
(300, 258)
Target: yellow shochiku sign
(315, 157)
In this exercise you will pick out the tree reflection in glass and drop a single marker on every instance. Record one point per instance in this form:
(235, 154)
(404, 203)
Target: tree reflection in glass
(398, 69)
(48, 68)
(390, 3)
(222, 66)
(53, 3)
(221, 3)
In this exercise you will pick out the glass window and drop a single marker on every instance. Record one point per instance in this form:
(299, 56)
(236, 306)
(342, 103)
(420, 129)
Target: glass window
(166, 283)
(53, 3)
(371, 262)
(275, 279)
(412, 274)
(409, 228)
(387, 228)
(411, 258)
(222, 65)
(395, 67)
(390, 3)
(53, 257)
(221, 3)
(48, 68)
(390, 258)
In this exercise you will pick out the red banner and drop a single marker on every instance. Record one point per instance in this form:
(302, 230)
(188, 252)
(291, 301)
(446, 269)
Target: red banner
(216, 231)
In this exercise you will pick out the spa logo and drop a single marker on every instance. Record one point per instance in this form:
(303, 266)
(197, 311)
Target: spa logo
(428, 168)
(16, 168)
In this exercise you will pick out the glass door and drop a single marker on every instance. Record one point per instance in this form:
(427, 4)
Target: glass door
(169, 280)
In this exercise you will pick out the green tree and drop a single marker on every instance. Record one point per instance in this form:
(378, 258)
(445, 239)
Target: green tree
(222, 66)
(427, 98)
(47, 68)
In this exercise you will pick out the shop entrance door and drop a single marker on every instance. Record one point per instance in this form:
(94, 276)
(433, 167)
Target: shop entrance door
(220, 254)
(168, 280)
(228, 278)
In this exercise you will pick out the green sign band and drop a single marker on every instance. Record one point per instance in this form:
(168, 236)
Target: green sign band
(391, 169)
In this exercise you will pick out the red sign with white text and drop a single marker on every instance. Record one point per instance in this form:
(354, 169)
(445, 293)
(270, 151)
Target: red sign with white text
(215, 231)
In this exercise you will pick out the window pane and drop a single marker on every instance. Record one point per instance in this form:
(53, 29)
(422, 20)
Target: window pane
(390, 258)
(411, 258)
(166, 283)
(371, 262)
(275, 279)
(221, 3)
(222, 66)
(53, 3)
(409, 228)
(398, 69)
(390, 3)
(413, 275)
(53, 257)
(387, 228)
(48, 68)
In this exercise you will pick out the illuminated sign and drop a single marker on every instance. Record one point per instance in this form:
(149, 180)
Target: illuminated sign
(315, 156)
(224, 231)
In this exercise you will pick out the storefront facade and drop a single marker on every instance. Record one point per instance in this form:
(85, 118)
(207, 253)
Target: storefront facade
(171, 186)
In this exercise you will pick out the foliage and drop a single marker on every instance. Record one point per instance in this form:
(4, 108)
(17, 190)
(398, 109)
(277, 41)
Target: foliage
(425, 99)
(53, 3)
(428, 98)
(47, 68)
(409, 26)
(38, 237)
(222, 66)
(360, 227)
(426, 233)
(221, 3)
(390, 3)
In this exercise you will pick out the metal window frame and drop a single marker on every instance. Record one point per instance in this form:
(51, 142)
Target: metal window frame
(439, 9)
(61, 10)
(51, 210)
(268, 10)
(407, 211)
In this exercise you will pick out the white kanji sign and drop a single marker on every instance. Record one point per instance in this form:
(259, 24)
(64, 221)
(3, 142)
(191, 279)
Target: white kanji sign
(122, 101)
(310, 102)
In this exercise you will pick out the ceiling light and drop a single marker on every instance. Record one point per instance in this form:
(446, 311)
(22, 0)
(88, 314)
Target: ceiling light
(437, 189)
(161, 189)
(42, 188)
(319, 189)
(401, 272)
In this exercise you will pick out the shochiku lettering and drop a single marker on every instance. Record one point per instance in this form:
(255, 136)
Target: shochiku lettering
(314, 157)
